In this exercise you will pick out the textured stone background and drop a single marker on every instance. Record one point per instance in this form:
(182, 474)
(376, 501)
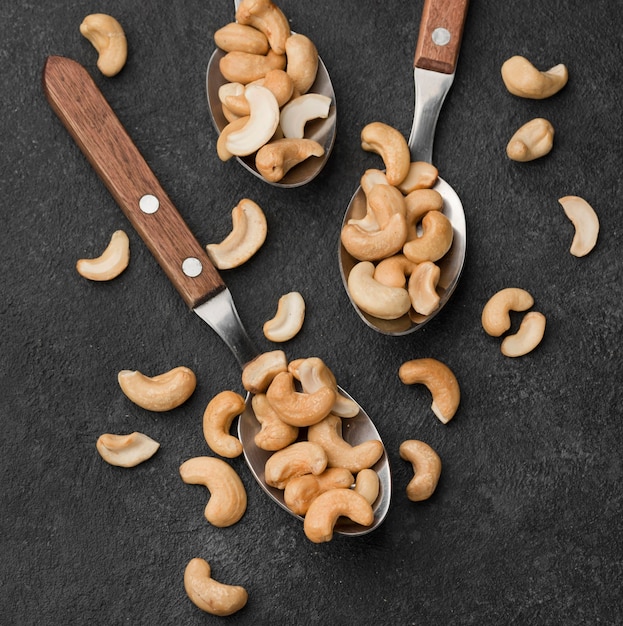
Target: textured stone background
(525, 526)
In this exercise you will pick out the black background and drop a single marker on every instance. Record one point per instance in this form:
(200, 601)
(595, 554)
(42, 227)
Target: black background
(525, 525)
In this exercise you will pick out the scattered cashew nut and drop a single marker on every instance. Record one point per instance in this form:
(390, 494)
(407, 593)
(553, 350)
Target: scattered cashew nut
(217, 419)
(524, 80)
(533, 140)
(426, 467)
(390, 144)
(585, 221)
(495, 314)
(126, 450)
(288, 320)
(110, 263)
(108, 38)
(527, 338)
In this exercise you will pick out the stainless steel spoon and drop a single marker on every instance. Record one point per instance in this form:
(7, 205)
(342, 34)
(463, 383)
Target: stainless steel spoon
(92, 123)
(435, 61)
(322, 130)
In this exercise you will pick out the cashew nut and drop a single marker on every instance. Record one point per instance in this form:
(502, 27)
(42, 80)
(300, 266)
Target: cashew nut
(235, 36)
(302, 457)
(221, 143)
(368, 484)
(524, 80)
(300, 491)
(325, 510)
(440, 381)
(277, 158)
(217, 420)
(249, 230)
(228, 498)
(110, 263)
(288, 320)
(274, 433)
(158, 393)
(259, 373)
(375, 298)
(422, 175)
(268, 18)
(210, 595)
(298, 408)
(301, 110)
(391, 146)
(435, 241)
(126, 450)
(371, 178)
(108, 38)
(328, 434)
(244, 67)
(527, 338)
(393, 271)
(423, 287)
(302, 58)
(417, 204)
(276, 81)
(233, 90)
(367, 245)
(585, 221)
(495, 314)
(532, 141)
(426, 467)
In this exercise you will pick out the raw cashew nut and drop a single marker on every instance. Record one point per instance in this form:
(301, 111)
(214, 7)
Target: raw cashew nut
(298, 408)
(248, 234)
(217, 420)
(423, 287)
(108, 38)
(417, 204)
(276, 81)
(527, 338)
(375, 298)
(367, 245)
(288, 320)
(585, 221)
(426, 467)
(245, 68)
(368, 484)
(274, 433)
(235, 36)
(126, 450)
(163, 392)
(300, 491)
(524, 80)
(211, 595)
(393, 270)
(259, 373)
(110, 263)
(277, 158)
(302, 64)
(325, 510)
(391, 146)
(440, 381)
(532, 141)
(303, 457)
(495, 314)
(268, 18)
(299, 111)
(435, 241)
(221, 143)
(328, 434)
(228, 498)
(422, 175)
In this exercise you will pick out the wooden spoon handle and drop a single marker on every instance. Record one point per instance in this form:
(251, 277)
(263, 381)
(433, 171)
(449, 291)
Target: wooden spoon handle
(441, 30)
(92, 123)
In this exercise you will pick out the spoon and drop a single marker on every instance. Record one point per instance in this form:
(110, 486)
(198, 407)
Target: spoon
(92, 123)
(435, 61)
(321, 130)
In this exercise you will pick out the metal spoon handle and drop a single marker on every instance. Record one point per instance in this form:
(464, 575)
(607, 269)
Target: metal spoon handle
(441, 30)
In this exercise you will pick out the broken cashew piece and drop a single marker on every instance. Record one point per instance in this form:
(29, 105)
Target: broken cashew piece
(268, 18)
(325, 510)
(210, 595)
(496, 312)
(248, 234)
(527, 338)
(426, 468)
(526, 81)
(110, 263)
(585, 221)
(288, 320)
(391, 146)
(163, 392)
(275, 159)
(126, 450)
(300, 491)
(217, 419)
(303, 61)
(259, 373)
(274, 433)
(108, 38)
(532, 141)
(299, 111)
(440, 381)
(228, 498)
(298, 459)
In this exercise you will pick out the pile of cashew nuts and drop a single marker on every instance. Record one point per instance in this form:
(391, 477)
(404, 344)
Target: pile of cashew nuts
(267, 100)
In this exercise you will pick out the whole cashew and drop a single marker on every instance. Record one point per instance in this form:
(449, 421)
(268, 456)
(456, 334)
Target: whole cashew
(435, 241)
(211, 595)
(393, 271)
(275, 159)
(422, 175)
(527, 338)
(108, 38)
(300, 491)
(245, 68)
(426, 467)
(423, 287)
(276, 81)
(440, 381)
(228, 498)
(163, 392)
(325, 510)
(221, 143)
(274, 433)
(417, 204)
(299, 111)
(126, 450)
(302, 65)
(235, 36)
(268, 18)
(217, 420)
(533, 140)
(391, 146)
(585, 221)
(110, 263)
(495, 314)
(259, 373)
(368, 484)
(524, 80)
(288, 320)
(302, 457)
(367, 245)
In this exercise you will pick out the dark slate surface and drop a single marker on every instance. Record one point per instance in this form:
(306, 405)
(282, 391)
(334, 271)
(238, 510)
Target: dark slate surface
(525, 526)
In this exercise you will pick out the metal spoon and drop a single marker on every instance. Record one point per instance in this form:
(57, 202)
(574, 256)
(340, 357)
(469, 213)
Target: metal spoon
(92, 123)
(322, 130)
(435, 61)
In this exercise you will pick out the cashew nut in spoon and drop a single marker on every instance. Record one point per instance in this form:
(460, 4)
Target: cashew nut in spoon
(242, 37)
(217, 419)
(532, 141)
(126, 450)
(526, 81)
(301, 110)
(259, 373)
(300, 491)
(245, 68)
(221, 143)
(268, 18)
(527, 338)
(393, 271)
(422, 287)
(276, 158)
(276, 81)
(298, 459)
(288, 320)
(496, 312)
(417, 204)
(585, 221)
(110, 263)
(390, 144)
(426, 468)
(302, 64)
(108, 38)
(368, 484)
(367, 245)
(421, 175)
(435, 241)
(274, 433)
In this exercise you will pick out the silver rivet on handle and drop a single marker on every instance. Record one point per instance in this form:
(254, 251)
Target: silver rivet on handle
(192, 267)
(149, 204)
(441, 36)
